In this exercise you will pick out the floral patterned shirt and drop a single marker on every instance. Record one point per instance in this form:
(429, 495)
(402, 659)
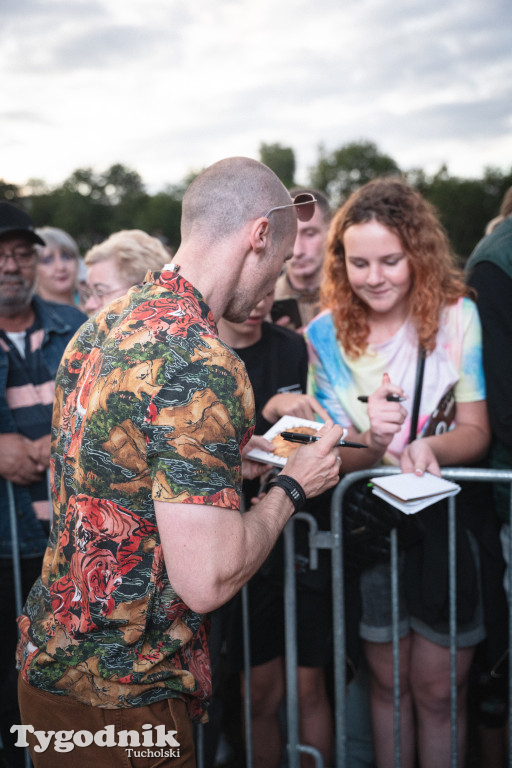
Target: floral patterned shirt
(150, 405)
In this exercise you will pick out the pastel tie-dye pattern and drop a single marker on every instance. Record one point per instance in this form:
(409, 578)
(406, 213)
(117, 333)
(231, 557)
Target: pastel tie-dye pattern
(336, 380)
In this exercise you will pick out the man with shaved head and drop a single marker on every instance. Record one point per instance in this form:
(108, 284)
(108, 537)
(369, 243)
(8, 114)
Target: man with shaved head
(151, 417)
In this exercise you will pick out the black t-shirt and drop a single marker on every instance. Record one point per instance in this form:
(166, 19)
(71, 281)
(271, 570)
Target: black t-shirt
(278, 362)
(494, 301)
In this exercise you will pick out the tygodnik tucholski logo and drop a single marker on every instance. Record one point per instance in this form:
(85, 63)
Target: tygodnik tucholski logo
(154, 741)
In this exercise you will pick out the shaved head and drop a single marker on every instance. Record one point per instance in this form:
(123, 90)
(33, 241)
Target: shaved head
(228, 194)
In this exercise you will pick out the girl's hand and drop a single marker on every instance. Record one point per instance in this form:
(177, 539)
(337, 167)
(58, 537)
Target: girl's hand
(386, 418)
(252, 469)
(418, 457)
(293, 404)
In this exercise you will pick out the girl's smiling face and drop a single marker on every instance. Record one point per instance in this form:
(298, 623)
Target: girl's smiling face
(378, 269)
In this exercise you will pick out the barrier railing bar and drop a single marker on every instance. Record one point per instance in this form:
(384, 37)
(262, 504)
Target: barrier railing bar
(247, 677)
(452, 586)
(396, 649)
(16, 566)
(294, 747)
(509, 596)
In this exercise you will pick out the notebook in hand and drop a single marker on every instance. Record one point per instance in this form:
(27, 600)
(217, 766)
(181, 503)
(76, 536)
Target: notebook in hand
(283, 449)
(409, 492)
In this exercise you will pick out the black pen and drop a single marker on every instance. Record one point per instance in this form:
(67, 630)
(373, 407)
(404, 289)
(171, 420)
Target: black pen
(389, 398)
(299, 437)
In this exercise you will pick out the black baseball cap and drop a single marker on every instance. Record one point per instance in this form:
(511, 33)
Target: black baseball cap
(15, 220)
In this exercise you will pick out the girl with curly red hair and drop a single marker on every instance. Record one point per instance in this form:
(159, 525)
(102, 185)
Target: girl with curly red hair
(392, 288)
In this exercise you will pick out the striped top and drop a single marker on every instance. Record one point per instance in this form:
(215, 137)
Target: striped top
(29, 395)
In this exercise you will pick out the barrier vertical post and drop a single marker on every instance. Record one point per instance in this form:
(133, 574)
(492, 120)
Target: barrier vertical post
(452, 581)
(16, 566)
(397, 729)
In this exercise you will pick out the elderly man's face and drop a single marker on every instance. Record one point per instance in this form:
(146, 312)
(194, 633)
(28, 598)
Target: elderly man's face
(18, 260)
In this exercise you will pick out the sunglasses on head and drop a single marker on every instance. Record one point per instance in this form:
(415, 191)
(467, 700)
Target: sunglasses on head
(304, 204)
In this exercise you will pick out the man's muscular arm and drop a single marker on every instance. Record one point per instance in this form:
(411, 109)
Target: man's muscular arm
(211, 552)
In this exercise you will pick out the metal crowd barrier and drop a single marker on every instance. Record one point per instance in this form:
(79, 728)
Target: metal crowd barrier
(333, 540)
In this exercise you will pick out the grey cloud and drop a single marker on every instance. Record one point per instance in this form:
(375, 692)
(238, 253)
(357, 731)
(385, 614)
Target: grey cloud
(33, 15)
(105, 45)
(472, 120)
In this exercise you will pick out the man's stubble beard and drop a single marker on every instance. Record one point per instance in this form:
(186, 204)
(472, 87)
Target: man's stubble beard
(17, 302)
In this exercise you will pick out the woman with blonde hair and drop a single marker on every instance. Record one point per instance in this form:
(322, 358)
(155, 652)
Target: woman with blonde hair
(120, 262)
(58, 263)
(392, 292)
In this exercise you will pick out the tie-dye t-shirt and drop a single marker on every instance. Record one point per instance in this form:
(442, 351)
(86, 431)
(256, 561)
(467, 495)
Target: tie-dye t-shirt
(337, 380)
(150, 405)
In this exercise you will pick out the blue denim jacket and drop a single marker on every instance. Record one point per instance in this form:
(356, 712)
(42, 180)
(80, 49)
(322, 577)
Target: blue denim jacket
(59, 322)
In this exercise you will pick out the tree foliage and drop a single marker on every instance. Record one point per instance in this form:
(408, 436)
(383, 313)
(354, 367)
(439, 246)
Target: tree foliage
(281, 160)
(341, 172)
(90, 205)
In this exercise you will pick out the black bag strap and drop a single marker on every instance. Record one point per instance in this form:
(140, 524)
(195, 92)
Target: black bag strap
(418, 385)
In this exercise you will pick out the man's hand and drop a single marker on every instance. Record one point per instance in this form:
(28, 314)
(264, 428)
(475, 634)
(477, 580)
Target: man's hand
(20, 459)
(43, 448)
(317, 466)
(293, 404)
(250, 468)
(418, 457)
(386, 418)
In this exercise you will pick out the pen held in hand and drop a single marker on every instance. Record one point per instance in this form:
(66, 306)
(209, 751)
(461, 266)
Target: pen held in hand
(299, 437)
(389, 398)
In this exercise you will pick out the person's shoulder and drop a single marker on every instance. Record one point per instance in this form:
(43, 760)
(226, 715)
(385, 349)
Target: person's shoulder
(464, 306)
(321, 323)
(279, 334)
(460, 319)
(64, 312)
(494, 247)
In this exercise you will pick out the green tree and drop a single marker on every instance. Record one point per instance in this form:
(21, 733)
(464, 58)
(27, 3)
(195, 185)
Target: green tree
(160, 215)
(281, 160)
(465, 206)
(341, 172)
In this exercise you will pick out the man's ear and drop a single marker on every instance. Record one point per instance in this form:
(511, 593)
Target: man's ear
(259, 235)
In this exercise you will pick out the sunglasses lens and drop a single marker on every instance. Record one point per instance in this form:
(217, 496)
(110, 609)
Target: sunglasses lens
(305, 206)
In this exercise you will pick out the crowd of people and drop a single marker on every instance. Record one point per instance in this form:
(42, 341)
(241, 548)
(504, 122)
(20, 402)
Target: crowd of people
(135, 382)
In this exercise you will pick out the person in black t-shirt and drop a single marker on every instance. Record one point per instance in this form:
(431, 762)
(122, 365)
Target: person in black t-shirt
(276, 361)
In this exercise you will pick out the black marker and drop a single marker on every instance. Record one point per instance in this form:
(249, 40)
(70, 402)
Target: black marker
(389, 398)
(299, 437)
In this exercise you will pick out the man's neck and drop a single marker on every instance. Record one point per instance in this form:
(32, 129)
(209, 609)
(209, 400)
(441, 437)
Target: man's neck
(18, 320)
(200, 266)
(230, 334)
(307, 283)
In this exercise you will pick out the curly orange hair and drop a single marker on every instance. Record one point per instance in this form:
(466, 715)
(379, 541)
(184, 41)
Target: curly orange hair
(436, 280)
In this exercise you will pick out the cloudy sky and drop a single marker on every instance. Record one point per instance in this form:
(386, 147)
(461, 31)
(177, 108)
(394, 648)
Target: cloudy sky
(167, 86)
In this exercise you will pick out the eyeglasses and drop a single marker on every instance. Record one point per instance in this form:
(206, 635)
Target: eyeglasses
(99, 294)
(304, 203)
(24, 257)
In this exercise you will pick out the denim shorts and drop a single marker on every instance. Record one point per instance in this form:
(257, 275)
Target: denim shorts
(376, 623)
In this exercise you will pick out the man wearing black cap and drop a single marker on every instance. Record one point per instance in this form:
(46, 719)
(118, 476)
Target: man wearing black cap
(33, 336)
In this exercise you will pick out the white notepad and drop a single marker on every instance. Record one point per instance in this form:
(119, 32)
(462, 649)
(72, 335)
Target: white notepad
(409, 492)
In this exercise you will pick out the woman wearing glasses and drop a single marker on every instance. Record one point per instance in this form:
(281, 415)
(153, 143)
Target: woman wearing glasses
(390, 287)
(119, 262)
